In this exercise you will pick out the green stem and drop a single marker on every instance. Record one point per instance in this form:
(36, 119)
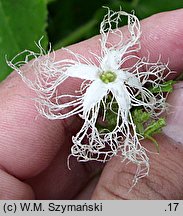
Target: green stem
(154, 141)
(76, 35)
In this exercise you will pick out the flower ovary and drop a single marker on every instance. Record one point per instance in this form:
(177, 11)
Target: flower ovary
(108, 77)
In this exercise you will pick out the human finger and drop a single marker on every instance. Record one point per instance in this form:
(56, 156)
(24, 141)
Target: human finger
(165, 180)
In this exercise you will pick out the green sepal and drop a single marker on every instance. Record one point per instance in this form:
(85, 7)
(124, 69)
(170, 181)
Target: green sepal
(147, 127)
(139, 118)
(153, 141)
(155, 127)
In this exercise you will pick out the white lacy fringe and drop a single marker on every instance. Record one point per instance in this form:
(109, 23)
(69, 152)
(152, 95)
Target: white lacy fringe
(116, 52)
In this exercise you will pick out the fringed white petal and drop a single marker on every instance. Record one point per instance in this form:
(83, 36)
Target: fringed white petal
(83, 71)
(111, 60)
(122, 97)
(94, 94)
(146, 74)
(41, 74)
(54, 108)
(45, 76)
(125, 46)
(89, 144)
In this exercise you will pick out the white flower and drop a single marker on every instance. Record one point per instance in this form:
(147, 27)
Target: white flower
(117, 72)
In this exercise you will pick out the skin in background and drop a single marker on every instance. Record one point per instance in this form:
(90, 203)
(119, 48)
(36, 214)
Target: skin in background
(34, 151)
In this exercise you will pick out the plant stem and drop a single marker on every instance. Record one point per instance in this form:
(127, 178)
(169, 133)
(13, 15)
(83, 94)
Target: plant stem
(76, 35)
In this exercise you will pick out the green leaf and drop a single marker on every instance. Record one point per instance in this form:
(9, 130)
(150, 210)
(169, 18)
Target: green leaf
(50, 1)
(22, 22)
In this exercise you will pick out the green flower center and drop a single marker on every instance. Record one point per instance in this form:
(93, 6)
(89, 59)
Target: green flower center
(108, 77)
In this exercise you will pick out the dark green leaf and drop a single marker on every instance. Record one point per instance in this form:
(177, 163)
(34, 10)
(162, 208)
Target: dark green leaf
(22, 22)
